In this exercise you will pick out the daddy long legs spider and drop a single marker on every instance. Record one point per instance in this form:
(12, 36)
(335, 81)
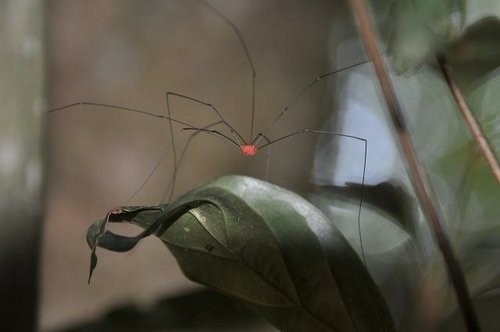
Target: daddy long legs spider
(111, 164)
(256, 141)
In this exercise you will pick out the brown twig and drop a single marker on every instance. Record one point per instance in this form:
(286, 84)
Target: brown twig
(416, 172)
(470, 119)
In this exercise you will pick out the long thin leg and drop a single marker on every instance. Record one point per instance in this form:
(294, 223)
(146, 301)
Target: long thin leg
(245, 50)
(174, 153)
(237, 141)
(157, 164)
(319, 78)
(214, 132)
(258, 137)
(148, 177)
(290, 107)
(111, 107)
(140, 112)
(171, 185)
(171, 120)
(310, 131)
(233, 131)
(365, 143)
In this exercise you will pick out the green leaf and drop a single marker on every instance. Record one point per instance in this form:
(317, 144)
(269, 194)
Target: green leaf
(387, 197)
(476, 52)
(385, 231)
(420, 29)
(266, 246)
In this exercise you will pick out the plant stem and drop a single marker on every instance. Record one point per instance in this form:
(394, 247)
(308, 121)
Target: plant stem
(470, 119)
(417, 175)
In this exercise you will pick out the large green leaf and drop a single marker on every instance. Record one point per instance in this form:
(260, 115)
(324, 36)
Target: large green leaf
(476, 53)
(468, 38)
(266, 246)
(420, 29)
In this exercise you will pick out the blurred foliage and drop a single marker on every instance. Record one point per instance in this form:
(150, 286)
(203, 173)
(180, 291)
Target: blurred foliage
(201, 310)
(467, 33)
(476, 52)
(422, 29)
(419, 29)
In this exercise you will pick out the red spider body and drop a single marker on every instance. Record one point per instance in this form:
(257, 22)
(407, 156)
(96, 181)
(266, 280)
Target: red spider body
(249, 150)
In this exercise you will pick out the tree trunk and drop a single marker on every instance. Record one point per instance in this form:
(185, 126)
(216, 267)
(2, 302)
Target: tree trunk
(21, 167)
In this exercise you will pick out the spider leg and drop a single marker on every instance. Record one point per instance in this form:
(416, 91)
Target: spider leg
(214, 132)
(237, 137)
(171, 184)
(176, 161)
(259, 136)
(236, 140)
(148, 177)
(310, 131)
(233, 131)
(365, 144)
(176, 164)
(247, 55)
(109, 106)
(290, 107)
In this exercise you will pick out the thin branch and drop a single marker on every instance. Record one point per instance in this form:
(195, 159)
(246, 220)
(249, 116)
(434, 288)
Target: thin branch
(470, 119)
(417, 175)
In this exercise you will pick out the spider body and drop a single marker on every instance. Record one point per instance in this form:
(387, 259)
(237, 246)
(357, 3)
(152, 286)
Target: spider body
(249, 150)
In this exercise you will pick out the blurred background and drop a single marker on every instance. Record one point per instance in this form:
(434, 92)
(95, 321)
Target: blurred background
(130, 53)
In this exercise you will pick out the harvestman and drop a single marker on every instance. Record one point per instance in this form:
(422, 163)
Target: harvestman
(249, 147)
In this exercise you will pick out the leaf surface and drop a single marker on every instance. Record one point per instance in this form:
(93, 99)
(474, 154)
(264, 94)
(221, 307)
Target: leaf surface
(266, 246)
